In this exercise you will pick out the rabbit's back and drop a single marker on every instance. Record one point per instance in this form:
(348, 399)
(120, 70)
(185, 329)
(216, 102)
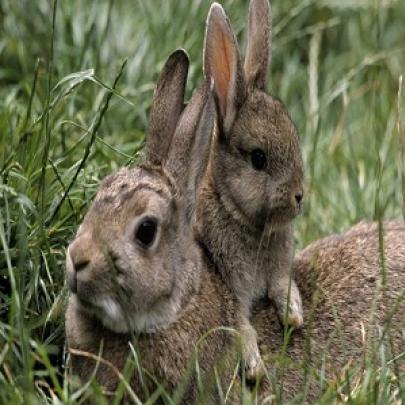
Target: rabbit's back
(347, 310)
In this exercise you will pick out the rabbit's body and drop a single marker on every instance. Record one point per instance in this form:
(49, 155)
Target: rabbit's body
(253, 186)
(231, 242)
(134, 268)
(339, 278)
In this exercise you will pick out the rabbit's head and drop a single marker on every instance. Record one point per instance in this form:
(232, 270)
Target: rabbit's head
(133, 263)
(257, 164)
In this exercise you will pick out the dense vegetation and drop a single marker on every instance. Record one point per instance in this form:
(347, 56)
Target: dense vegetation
(76, 80)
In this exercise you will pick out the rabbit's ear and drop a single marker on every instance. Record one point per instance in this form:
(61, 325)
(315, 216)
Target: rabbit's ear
(179, 156)
(167, 105)
(258, 52)
(221, 62)
(202, 144)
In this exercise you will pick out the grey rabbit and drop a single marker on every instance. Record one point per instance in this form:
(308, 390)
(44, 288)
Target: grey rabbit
(253, 187)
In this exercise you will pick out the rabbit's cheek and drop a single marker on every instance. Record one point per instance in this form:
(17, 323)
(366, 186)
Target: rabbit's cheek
(111, 315)
(248, 190)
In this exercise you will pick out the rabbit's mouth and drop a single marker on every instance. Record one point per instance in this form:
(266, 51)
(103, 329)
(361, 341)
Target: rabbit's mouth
(86, 304)
(278, 217)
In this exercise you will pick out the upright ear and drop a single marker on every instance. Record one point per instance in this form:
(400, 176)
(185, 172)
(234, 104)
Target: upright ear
(202, 145)
(221, 62)
(258, 52)
(179, 155)
(167, 105)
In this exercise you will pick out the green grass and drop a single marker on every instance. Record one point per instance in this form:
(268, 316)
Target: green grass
(337, 65)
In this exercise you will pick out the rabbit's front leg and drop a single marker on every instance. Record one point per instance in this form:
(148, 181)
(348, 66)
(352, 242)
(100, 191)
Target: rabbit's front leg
(254, 367)
(287, 299)
(282, 289)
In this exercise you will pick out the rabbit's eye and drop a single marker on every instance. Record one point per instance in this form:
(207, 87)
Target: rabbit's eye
(258, 159)
(146, 232)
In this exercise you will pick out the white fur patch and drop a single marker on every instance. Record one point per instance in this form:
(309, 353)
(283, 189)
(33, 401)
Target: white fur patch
(111, 315)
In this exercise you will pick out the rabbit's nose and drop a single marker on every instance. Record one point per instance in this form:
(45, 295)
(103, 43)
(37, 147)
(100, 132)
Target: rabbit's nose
(80, 265)
(299, 197)
(77, 260)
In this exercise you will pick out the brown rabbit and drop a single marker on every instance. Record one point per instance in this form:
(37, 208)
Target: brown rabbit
(354, 303)
(134, 271)
(253, 187)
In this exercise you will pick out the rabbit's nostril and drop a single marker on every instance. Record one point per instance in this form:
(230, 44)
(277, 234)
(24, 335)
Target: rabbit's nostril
(298, 197)
(81, 265)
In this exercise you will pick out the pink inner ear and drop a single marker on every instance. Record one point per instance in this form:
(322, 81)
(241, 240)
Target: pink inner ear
(222, 58)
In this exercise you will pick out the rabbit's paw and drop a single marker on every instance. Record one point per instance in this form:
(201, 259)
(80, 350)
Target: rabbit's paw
(290, 310)
(254, 367)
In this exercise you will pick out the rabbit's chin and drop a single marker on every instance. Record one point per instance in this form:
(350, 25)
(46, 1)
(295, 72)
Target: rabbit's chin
(276, 219)
(111, 315)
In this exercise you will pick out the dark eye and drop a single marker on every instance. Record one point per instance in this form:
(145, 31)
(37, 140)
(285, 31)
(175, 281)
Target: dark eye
(146, 232)
(258, 159)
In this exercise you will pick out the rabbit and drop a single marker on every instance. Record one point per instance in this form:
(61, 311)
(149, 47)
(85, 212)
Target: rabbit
(351, 312)
(253, 186)
(134, 271)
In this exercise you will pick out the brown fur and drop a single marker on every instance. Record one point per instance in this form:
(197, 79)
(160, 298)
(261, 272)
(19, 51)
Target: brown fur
(163, 297)
(339, 278)
(244, 213)
(165, 355)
